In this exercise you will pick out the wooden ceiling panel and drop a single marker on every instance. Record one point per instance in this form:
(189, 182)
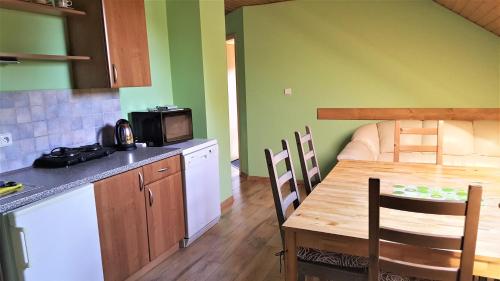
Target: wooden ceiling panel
(485, 13)
(482, 10)
(231, 5)
(469, 8)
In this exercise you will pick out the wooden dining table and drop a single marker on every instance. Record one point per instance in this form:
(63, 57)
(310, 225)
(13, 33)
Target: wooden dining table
(334, 217)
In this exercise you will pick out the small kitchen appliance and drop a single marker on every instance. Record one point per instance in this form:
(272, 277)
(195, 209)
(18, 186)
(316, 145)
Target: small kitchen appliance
(163, 127)
(124, 136)
(67, 156)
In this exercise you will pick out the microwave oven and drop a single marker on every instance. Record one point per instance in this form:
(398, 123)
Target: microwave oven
(161, 128)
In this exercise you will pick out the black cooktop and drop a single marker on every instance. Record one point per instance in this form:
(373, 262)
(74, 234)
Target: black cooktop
(67, 156)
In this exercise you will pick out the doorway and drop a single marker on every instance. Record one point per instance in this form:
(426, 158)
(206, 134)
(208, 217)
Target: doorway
(233, 100)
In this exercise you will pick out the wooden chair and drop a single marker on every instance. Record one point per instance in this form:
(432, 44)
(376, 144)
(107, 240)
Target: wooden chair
(311, 262)
(438, 148)
(466, 243)
(277, 182)
(311, 176)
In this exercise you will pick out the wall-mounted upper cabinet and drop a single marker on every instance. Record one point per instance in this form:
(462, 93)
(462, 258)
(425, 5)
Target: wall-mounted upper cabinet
(114, 34)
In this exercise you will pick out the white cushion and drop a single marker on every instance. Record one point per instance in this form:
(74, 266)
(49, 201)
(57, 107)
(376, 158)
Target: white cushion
(458, 137)
(409, 157)
(368, 134)
(357, 150)
(487, 138)
(486, 161)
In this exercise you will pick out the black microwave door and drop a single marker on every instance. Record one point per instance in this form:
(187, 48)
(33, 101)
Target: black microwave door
(178, 126)
(148, 128)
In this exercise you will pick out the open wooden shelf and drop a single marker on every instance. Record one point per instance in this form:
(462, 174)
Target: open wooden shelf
(39, 8)
(23, 56)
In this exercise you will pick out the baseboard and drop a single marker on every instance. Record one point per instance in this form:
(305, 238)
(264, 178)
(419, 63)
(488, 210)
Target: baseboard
(154, 263)
(258, 179)
(226, 204)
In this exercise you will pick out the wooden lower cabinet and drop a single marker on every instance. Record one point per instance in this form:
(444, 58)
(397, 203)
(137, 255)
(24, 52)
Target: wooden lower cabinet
(137, 223)
(165, 211)
(121, 216)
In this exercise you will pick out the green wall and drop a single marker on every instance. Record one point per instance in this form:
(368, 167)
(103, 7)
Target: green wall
(199, 79)
(215, 79)
(356, 54)
(33, 33)
(187, 60)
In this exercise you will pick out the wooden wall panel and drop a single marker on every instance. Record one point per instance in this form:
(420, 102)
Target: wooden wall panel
(408, 114)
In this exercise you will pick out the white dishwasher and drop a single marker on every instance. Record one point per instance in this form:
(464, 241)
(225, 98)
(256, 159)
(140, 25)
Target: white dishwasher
(200, 164)
(56, 239)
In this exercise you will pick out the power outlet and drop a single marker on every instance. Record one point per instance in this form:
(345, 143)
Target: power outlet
(288, 91)
(5, 139)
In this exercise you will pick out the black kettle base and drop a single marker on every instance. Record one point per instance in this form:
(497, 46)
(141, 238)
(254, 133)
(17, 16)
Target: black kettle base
(126, 147)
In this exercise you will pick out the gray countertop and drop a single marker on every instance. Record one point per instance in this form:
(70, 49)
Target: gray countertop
(42, 183)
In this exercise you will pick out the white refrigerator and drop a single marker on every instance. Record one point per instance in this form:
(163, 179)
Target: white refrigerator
(56, 239)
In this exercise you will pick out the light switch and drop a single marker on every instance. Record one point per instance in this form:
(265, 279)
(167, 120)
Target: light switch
(288, 91)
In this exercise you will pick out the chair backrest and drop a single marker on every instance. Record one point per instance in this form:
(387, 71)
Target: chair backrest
(438, 148)
(311, 176)
(277, 181)
(466, 242)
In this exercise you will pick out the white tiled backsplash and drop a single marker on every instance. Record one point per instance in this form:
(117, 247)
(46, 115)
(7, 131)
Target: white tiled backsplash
(42, 120)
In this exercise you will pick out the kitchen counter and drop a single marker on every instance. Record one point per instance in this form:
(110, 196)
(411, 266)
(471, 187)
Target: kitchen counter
(42, 183)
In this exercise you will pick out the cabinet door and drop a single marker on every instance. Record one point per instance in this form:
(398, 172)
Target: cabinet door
(165, 209)
(121, 215)
(127, 43)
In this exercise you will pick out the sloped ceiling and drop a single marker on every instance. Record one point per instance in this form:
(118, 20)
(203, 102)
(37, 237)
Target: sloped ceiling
(231, 5)
(485, 13)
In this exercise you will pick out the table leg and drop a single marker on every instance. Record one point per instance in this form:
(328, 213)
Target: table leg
(290, 256)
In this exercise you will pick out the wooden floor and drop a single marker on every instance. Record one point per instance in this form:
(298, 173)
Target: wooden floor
(240, 247)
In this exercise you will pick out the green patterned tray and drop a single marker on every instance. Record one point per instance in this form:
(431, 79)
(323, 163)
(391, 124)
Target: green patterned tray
(436, 193)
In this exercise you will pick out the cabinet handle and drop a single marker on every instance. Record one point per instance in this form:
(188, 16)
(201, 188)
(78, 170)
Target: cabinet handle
(141, 181)
(162, 170)
(151, 198)
(115, 74)
(22, 240)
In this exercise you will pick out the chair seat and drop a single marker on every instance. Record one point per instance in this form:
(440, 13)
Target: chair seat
(332, 258)
(387, 276)
(345, 261)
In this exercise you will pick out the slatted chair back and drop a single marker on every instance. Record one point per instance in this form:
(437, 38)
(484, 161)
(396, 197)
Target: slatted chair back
(311, 176)
(282, 202)
(465, 243)
(438, 148)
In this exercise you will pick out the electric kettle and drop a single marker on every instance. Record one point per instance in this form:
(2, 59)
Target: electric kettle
(124, 136)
